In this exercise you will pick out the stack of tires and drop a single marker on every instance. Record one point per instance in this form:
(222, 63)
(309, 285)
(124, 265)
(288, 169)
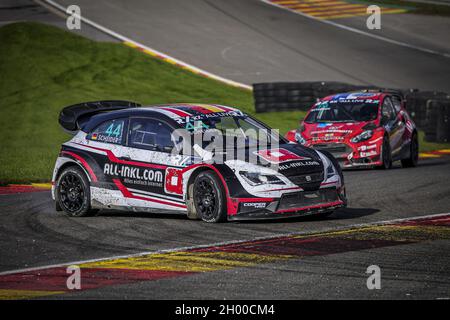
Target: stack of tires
(283, 96)
(437, 127)
(286, 96)
(418, 106)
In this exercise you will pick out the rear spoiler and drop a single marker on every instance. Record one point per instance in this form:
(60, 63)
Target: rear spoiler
(72, 117)
(396, 92)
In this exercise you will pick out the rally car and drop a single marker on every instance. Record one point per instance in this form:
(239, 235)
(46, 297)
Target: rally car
(361, 129)
(125, 156)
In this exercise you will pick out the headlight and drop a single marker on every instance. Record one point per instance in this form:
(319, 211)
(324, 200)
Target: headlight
(299, 138)
(255, 178)
(363, 136)
(331, 171)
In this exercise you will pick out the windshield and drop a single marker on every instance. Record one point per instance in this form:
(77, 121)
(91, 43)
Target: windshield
(344, 111)
(235, 131)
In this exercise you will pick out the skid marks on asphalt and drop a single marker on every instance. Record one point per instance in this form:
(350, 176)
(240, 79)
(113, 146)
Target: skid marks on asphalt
(150, 267)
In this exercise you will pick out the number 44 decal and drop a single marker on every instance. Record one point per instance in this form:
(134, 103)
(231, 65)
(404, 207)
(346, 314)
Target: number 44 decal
(114, 132)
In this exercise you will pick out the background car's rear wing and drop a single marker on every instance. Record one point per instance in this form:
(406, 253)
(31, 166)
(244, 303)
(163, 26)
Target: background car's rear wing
(72, 117)
(396, 92)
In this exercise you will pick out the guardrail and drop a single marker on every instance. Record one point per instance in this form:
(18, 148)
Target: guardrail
(430, 110)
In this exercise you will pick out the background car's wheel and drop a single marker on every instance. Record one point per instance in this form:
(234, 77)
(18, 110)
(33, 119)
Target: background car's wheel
(413, 154)
(73, 193)
(209, 197)
(386, 156)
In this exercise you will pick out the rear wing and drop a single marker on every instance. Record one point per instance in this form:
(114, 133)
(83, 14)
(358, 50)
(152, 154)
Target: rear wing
(399, 93)
(71, 118)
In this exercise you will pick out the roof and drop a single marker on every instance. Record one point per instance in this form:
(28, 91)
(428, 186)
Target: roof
(178, 112)
(355, 96)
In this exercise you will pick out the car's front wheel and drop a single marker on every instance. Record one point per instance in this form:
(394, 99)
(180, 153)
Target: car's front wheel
(413, 154)
(73, 193)
(386, 156)
(209, 197)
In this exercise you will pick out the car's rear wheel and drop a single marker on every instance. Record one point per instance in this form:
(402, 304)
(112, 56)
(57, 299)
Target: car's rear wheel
(73, 193)
(386, 156)
(209, 197)
(413, 153)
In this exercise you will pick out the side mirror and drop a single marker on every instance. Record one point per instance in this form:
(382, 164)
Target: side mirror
(167, 148)
(384, 120)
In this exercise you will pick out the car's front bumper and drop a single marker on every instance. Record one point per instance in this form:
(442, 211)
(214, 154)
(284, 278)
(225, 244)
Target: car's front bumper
(352, 156)
(292, 204)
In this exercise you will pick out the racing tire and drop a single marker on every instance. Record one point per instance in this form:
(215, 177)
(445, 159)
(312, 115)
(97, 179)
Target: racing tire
(73, 194)
(209, 197)
(58, 207)
(191, 209)
(386, 156)
(413, 154)
(325, 214)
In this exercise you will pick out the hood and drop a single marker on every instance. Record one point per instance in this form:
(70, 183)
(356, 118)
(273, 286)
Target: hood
(287, 159)
(333, 131)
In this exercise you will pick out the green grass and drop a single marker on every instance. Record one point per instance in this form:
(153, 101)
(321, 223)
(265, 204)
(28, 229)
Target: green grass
(415, 7)
(44, 68)
(425, 146)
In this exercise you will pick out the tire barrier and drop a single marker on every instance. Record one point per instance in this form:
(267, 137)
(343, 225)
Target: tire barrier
(417, 102)
(287, 96)
(437, 127)
(430, 110)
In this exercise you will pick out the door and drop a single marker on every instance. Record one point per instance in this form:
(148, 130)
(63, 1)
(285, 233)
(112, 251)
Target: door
(152, 172)
(394, 126)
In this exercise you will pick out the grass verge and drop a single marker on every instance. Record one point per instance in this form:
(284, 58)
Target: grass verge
(44, 68)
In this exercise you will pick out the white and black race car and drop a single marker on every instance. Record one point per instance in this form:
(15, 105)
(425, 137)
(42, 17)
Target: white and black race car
(122, 157)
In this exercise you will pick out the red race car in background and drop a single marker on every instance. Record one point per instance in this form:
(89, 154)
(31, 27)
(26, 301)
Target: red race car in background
(361, 129)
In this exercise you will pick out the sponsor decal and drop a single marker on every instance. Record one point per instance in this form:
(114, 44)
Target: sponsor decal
(299, 164)
(256, 205)
(368, 154)
(332, 130)
(278, 155)
(133, 175)
(200, 117)
(105, 138)
(174, 181)
(364, 148)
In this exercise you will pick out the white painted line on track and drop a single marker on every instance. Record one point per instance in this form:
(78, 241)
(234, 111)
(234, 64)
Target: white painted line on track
(274, 236)
(341, 26)
(156, 52)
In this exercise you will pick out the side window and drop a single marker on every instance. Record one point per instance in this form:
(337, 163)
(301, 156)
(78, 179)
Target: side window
(109, 132)
(388, 109)
(150, 134)
(397, 103)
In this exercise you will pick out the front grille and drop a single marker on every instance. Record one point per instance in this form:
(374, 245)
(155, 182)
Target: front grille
(336, 149)
(308, 198)
(310, 181)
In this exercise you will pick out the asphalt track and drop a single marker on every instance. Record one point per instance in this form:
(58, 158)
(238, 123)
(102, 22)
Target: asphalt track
(249, 41)
(33, 234)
